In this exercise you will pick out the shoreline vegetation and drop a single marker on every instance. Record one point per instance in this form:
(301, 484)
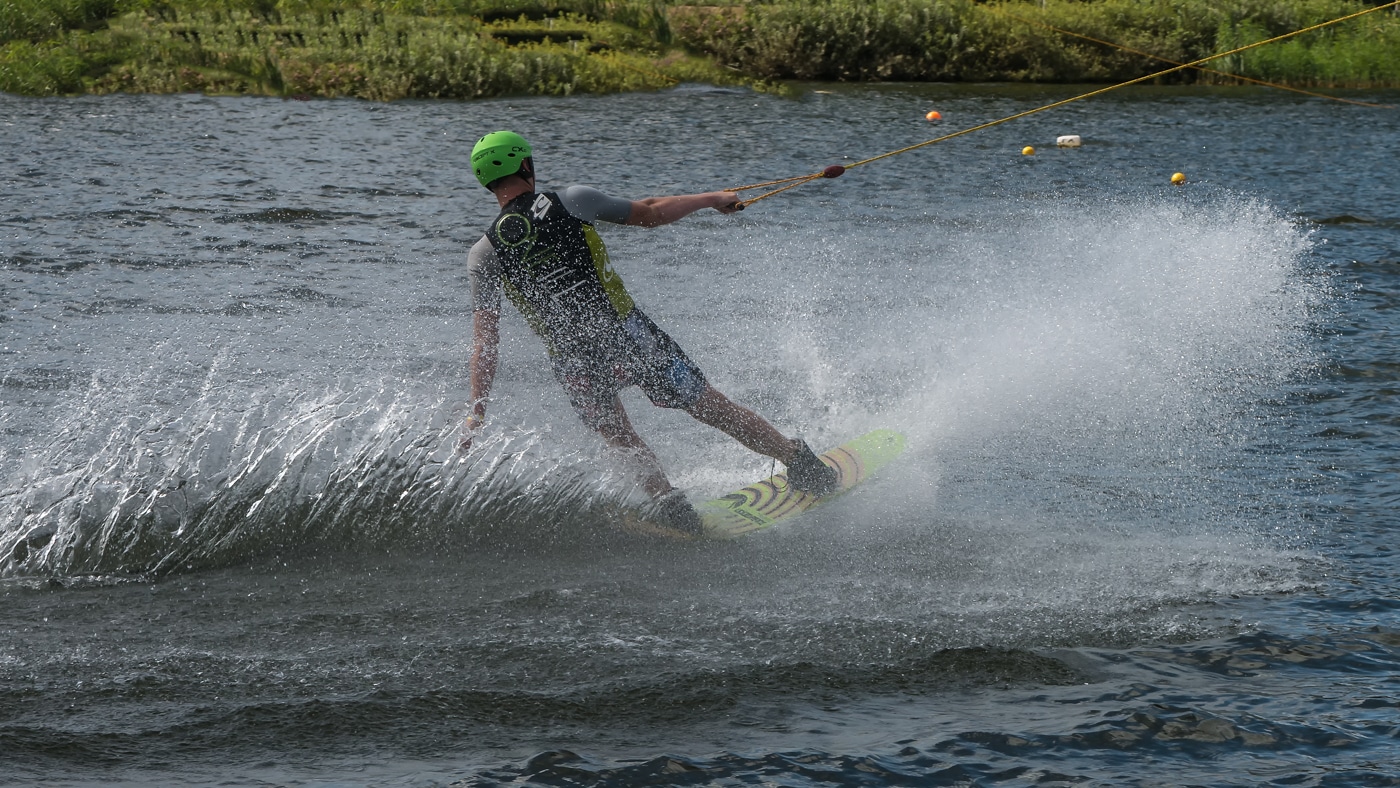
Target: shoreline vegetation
(393, 49)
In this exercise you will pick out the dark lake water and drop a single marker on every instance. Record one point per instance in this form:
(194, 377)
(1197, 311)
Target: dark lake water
(1143, 535)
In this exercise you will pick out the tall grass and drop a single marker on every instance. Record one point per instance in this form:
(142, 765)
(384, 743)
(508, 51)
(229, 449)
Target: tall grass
(44, 69)
(329, 49)
(959, 40)
(1364, 54)
(388, 49)
(38, 20)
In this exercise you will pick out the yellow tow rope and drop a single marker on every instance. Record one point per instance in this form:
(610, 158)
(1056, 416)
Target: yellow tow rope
(837, 170)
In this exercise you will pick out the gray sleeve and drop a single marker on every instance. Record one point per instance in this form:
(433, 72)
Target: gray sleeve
(591, 205)
(484, 271)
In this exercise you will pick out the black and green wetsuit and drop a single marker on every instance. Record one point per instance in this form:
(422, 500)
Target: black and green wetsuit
(544, 253)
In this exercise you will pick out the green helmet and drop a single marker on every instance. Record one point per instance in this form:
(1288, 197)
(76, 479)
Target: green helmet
(497, 155)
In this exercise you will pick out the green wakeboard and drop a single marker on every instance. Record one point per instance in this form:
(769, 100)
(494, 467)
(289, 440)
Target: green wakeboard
(772, 500)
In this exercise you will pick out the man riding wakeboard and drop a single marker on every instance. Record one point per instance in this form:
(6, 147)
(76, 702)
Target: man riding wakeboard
(542, 250)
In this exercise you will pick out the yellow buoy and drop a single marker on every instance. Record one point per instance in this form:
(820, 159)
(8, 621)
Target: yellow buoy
(933, 114)
(1178, 178)
(1028, 151)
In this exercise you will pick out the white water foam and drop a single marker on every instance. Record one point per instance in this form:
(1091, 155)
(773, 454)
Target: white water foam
(1086, 391)
(1071, 381)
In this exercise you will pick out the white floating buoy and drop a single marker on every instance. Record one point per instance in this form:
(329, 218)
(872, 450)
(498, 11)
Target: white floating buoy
(1069, 141)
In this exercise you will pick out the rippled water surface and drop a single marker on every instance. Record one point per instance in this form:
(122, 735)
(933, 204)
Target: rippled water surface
(1142, 535)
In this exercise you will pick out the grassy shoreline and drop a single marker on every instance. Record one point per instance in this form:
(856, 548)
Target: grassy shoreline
(391, 49)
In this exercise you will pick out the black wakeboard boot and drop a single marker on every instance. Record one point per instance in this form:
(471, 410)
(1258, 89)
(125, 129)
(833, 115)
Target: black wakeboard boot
(675, 512)
(809, 474)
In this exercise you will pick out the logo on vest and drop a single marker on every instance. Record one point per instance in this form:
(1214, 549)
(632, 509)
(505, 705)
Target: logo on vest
(541, 207)
(514, 229)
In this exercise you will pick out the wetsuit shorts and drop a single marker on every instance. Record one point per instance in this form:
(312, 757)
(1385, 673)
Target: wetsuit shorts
(650, 360)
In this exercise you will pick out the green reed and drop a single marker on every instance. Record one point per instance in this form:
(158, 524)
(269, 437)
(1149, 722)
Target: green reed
(959, 40)
(388, 49)
(1365, 54)
(39, 20)
(331, 50)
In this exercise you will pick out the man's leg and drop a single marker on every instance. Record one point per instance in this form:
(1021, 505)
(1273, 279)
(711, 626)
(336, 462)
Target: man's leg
(805, 470)
(670, 380)
(617, 430)
(742, 424)
(672, 507)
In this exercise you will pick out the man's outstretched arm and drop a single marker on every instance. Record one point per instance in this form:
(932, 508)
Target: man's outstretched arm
(655, 211)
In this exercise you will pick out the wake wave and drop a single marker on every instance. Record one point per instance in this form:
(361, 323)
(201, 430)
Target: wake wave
(129, 487)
